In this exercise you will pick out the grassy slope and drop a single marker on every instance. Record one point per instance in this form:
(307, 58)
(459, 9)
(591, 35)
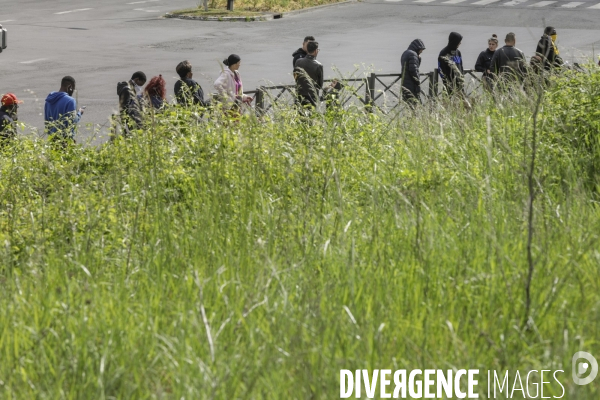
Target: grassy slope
(248, 7)
(277, 233)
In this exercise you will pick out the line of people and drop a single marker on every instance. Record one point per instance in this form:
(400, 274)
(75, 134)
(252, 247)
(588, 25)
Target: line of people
(61, 114)
(507, 62)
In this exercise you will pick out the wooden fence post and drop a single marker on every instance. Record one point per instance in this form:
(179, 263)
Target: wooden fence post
(433, 83)
(259, 104)
(370, 92)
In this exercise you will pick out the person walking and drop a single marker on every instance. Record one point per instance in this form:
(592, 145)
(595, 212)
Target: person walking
(308, 73)
(508, 62)
(130, 105)
(411, 80)
(229, 86)
(484, 61)
(60, 114)
(450, 65)
(156, 92)
(8, 115)
(187, 90)
(547, 50)
(302, 51)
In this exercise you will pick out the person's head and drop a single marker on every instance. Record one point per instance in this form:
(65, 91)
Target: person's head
(454, 40)
(157, 87)
(139, 78)
(551, 31)
(511, 39)
(67, 85)
(184, 69)
(312, 48)
(10, 103)
(493, 42)
(307, 39)
(233, 62)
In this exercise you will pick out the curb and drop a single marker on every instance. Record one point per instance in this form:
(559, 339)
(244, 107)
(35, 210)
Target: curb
(264, 17)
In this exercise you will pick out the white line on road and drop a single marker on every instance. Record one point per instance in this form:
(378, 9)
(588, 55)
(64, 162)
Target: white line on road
(32, 61)
(72, 11)
(453, 1)
(142, 2)
(8, 20)
(542, 4)
(484, 2)
(144, 10)
(597, 6)
(393, 1)
(515, 2)
(424, 1)
(573, 4)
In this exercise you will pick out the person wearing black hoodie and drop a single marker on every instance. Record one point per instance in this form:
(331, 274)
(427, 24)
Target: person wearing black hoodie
(485, 59)
(301, 52)
(187, 90)
(450, 65)
(411, 81)
(547, 50)
(130, 106)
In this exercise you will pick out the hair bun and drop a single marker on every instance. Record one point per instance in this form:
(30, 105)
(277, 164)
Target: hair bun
(494, 36)
(226, 62)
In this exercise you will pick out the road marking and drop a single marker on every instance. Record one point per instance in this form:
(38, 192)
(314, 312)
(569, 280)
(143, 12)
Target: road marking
(542, 4)
(72, 11)
(8, 20)
(484, 2)
(453, 1)
(142, 2)
(573, 4)
(515, 2)
(393, 1)
(32, 61)
(597, 6)
(144, 10)
(423, 1)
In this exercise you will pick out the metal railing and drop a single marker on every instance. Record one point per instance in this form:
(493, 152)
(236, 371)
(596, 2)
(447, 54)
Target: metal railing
(381, 92)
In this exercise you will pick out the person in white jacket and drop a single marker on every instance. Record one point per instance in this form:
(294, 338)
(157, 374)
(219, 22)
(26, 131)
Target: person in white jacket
(229, 85)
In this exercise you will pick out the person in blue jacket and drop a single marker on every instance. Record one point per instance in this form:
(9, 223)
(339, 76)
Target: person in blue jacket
(60, 114)
(450, 65)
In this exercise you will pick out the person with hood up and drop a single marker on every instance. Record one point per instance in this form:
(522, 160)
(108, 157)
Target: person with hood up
(130, 106)
(411, 81)
(229, 85)
(485, 59)
(450, 65)
(547, 50)
(60, 114)
(8, 116)
(302, 51)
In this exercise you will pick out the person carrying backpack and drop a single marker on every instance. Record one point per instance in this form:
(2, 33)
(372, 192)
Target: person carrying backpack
(547, 51)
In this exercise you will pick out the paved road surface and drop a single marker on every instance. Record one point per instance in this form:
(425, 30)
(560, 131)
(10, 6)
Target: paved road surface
(101, 42)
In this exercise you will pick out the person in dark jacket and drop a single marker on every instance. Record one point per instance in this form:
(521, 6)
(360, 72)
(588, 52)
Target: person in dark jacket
(411, 81)
(485, 59)
(130, 105)
(308, 73)
(301, 52)
(60, 114)
(547, 50)
(8, 116)
(187, 90)
(509, 62)
(450, 65)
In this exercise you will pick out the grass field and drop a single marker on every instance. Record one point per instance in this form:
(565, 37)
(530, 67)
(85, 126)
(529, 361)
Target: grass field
(241, 6)
(254, 260)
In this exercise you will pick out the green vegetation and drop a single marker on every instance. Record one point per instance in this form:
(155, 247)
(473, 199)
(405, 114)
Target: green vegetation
(250, 7)
(254, 260)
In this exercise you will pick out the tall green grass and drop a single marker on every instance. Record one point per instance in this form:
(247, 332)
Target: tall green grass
(254, 260)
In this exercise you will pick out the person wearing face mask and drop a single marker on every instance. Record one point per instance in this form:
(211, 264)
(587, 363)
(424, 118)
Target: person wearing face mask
(485, 59)
(547, 50)
(8, 116)
(411, 80)
(450, 65)
(229, 85)
(60, 114)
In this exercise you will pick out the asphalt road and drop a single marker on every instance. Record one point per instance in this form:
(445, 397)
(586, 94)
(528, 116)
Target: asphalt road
(102, 42)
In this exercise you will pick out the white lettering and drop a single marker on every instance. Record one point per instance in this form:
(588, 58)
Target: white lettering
(459, 394)
(428, 382)
(411, 384)
(517, 376)
(384, 383)
(372, 386)
(473, 383)
(542, 383)
(497, 382)
(563, 388)
(444, 383)
(344, 373)
(534, 384)
(357, 384)
(400, 384)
